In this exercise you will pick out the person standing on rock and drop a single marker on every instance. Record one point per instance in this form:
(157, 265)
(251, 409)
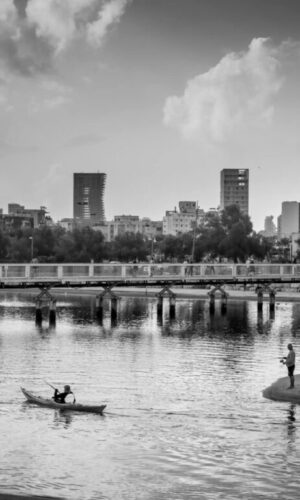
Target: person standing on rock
(289, 361)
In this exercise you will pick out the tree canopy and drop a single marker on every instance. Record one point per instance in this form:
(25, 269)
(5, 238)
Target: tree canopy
(227, 234)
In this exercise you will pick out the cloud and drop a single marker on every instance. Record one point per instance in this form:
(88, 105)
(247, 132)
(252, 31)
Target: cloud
(34, 32)
(110, 14)
(7, 10)
(239, 91)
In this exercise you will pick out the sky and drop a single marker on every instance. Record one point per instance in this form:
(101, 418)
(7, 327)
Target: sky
(161, 95)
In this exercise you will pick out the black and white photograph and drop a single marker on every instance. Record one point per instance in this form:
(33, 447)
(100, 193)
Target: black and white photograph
(149, 249)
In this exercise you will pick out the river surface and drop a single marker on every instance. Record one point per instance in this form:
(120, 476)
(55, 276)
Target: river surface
(185, 415)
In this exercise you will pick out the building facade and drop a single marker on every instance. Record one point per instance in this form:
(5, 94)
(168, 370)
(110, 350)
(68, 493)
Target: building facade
(123, 224)
(235, 188)
(88, 198)
(37, 215)
(186, 219)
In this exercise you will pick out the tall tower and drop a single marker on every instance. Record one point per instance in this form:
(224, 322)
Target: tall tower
(88, 204)
(290, 218)
(235, 188)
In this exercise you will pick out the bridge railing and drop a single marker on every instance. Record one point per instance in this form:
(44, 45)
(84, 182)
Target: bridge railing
(93, 272)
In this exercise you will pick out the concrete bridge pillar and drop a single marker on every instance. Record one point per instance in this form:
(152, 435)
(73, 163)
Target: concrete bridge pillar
(212, 299)
(99, 307)
(38, 312)
(166, 292)
(114, 308)
(107, 292)
(212, 302)
(172, 306)
(160, 304)
(224, 302)
(260, 298)
(46, 298)
(52, 312)
(272, 294)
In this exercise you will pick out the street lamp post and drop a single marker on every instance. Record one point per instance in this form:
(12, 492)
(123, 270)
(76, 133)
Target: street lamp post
(31, 248)
(194, 234)
(152, 248)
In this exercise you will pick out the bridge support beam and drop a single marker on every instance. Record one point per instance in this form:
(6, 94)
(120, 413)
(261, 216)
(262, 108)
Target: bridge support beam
(166, 292)
(107, 292)
(212, 299)
(45, 297)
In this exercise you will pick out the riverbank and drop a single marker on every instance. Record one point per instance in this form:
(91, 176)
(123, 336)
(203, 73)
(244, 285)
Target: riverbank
(181, 293)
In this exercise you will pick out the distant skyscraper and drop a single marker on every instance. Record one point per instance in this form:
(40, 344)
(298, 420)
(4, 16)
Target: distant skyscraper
(290, 218)
(235, 188)
(88, 204)
(270, 228)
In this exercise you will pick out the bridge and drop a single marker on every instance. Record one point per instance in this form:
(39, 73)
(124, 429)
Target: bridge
(109, 276)
(144, 274)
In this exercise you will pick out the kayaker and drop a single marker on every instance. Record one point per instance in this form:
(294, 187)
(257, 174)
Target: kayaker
(60, 397)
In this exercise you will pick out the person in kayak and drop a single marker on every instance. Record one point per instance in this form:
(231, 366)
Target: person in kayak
(60, 397)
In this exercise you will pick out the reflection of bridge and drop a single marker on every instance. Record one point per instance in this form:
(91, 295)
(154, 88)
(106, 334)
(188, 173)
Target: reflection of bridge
(164, 275)
(116, 274)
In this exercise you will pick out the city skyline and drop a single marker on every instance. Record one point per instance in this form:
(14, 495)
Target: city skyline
(159, 95)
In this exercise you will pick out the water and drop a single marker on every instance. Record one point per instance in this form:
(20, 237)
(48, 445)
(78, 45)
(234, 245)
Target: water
(185, 416)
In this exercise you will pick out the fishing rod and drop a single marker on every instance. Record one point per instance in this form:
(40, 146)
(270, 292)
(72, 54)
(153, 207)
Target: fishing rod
(50, 385)
(55, 389)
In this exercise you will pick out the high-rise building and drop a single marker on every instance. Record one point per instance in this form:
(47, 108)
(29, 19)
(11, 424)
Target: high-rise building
(88, 203)
(270, 228)
(235, 188)
(290, 218)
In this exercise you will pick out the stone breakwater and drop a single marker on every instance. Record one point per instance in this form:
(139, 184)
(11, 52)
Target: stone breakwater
(278, 391)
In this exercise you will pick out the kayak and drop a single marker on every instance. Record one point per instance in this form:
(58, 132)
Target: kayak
(50, 403)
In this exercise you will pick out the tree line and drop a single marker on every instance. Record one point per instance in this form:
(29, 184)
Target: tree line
(222, 235)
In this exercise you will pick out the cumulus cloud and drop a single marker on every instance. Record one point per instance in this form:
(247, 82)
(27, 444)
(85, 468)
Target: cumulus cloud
(110, 13)
(33, 32)
(237, 92)
(7, 10)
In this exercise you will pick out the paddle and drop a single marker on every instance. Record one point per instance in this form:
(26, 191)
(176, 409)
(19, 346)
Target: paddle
(50, 385)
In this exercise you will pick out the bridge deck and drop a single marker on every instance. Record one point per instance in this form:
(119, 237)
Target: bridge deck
(144, 274)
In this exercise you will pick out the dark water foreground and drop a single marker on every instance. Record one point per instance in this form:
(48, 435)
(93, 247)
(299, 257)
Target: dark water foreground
(185, 414)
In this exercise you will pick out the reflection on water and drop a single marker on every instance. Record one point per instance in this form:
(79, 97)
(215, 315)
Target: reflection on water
(185, 417)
